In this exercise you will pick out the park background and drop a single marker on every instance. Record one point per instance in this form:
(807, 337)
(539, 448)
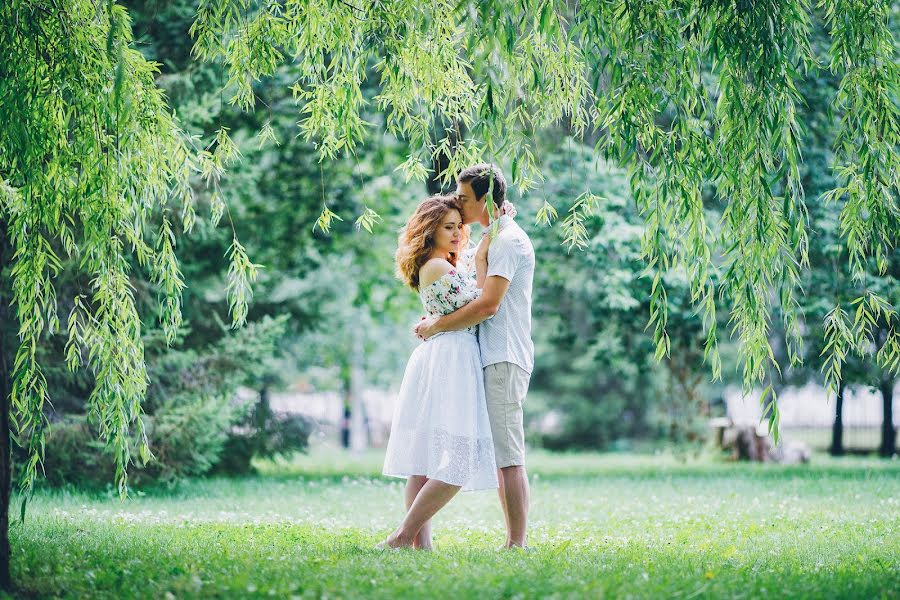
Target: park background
(329, 326)
(280, 422)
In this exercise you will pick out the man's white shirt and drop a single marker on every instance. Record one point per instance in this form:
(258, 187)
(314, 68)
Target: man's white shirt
(506, 337)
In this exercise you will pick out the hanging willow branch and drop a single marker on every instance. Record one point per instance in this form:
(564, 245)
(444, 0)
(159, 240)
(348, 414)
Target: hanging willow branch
(686, 94)
(92, 166)
(692, 96)
(867, 149)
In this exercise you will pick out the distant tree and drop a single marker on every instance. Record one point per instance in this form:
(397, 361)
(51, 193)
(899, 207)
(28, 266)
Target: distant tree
(597, 367)
(825, 283)
(320, 279)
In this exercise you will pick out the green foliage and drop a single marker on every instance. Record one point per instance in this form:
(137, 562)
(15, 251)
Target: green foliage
(193, 402)
(263, 436)
(685, 95)
(863, 53)
(326, 218)
(73, 455)
(841, 314)
(698, 101)
(187, 440)
(92, 164)
(193, 419)
(582, 208)
(597, 374)
(188, 437)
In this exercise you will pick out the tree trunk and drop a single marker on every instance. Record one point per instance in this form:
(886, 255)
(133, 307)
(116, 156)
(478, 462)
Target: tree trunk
(6, 362)
(261, 420)
(837, 429)
(359, 439)
(888, 433)
(345, 425)
(346, 406)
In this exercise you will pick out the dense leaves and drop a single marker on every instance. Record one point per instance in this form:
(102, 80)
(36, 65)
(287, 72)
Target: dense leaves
(697, 100)
(687, 95)
(596, 383)
(93, 169)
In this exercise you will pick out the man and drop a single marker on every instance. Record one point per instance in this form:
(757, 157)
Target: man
(507, 353)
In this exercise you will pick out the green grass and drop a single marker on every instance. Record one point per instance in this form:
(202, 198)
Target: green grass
(602, 526)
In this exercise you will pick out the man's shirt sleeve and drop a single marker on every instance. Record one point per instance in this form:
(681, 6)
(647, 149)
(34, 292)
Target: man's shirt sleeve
(503, 258)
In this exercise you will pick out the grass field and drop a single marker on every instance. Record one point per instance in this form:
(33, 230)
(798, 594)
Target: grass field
(602, 526)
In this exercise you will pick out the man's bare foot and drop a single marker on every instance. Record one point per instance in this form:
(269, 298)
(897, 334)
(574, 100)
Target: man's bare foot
(511, 546)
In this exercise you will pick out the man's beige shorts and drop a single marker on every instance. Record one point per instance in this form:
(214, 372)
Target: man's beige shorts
(506, 385)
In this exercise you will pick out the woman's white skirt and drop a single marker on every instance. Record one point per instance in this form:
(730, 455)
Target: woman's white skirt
(441, 428)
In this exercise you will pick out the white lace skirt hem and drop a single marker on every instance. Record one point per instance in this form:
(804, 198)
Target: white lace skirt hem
(441, 428)
(457, 460)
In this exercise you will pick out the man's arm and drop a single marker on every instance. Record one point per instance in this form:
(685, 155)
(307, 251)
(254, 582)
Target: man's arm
(473, 313)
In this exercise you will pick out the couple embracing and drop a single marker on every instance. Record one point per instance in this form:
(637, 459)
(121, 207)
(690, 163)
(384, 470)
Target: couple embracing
(458, 422)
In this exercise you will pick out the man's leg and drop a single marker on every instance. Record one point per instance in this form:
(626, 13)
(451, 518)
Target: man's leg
(501, 491)
(515, 496)
(413, 485)
(430, 499)
(505, 387)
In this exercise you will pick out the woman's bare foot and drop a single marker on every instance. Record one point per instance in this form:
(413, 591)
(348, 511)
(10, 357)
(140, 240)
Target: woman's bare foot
(395, 541)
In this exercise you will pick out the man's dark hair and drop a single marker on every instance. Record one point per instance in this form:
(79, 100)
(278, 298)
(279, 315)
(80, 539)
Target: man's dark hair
(479, 177)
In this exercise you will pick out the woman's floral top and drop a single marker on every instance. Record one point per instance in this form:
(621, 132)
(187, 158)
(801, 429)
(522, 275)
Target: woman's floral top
(451, 291)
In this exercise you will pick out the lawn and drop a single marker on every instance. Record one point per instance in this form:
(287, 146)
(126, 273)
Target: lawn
(602, 526)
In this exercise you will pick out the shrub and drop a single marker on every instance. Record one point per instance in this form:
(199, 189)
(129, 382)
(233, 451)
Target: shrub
(194, 420)
(263, 434)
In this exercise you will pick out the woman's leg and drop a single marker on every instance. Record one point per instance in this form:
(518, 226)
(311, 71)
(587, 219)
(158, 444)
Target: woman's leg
(430, 499)
(413, 485)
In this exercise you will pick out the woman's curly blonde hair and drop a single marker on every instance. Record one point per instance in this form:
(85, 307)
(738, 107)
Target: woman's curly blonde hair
(416, 240)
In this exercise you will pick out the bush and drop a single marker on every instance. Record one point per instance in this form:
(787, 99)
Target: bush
(194, 420)
(75, 455)
(186, 440)
(209, 434)
(263, 434)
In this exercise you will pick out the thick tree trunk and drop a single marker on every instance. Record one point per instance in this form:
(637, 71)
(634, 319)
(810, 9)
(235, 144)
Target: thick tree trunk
(888, 433)
(6, 363)
(837, 429)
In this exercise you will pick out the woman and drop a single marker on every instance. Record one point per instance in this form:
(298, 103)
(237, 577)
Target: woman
(440, 436)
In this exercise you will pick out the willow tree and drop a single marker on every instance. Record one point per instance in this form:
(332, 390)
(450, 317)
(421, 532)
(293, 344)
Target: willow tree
(688, 95)
(93, 167)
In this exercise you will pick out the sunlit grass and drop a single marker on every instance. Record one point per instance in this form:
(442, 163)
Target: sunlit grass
(603, 525)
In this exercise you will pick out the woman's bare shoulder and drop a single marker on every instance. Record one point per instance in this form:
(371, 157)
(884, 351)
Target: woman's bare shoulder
(433, 270)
